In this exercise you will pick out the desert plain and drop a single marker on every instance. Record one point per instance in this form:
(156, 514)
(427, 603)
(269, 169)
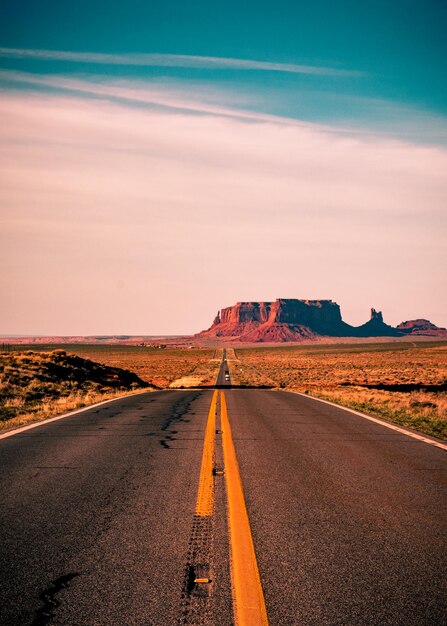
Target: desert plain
(404, 382)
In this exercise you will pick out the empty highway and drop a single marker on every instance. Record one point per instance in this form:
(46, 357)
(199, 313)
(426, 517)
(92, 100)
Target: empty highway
(224, 377)
(127, 514)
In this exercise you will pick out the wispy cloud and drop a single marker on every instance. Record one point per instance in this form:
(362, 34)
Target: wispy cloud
(141, 93)
(363, 115)
(172, 60)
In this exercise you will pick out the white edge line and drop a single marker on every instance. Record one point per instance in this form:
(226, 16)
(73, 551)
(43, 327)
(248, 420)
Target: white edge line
(431, 442)
(22, 429)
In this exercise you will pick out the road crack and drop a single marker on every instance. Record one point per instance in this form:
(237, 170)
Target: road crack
(47, 612)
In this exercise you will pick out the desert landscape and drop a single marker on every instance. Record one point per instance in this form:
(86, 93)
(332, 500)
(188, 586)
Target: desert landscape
(403, 382)
(223, 331)
(396, 373)
(294, 320)
(52, 379)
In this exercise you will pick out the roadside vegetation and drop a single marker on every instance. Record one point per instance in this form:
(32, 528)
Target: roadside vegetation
(37, 385)
(161, 368)
(169, 368)
(405, 383)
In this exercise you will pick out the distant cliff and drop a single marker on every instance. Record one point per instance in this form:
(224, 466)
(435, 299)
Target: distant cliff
(296, 320)
(421, 327)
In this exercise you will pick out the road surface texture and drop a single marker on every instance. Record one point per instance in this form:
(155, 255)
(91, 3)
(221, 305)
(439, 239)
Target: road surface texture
(102, 524)
(223, 377)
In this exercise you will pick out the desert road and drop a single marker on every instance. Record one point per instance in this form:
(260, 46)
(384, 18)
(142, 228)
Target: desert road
(223, 377)
(125, 514)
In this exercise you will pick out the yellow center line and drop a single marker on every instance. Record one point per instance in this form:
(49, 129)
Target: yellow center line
(248, 597)
(205, 495)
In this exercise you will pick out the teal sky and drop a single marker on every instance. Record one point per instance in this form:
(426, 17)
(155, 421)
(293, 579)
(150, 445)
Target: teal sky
(396, 52)
(314, 128)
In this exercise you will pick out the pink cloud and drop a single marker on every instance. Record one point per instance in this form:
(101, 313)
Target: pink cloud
(184, 208)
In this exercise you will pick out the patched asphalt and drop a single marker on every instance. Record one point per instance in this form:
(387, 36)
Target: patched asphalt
(349, 518)
(97, 515)
(105, 499)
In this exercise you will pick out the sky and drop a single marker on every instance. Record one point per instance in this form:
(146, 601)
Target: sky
(162, 160)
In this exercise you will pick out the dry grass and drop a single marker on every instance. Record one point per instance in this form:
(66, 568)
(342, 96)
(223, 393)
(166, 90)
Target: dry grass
(157, 367)
(37, 385)
(58, 406)
(340, 373)
(343, 373)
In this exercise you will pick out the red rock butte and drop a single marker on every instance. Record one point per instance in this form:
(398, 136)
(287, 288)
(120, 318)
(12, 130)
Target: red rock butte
(297, 320)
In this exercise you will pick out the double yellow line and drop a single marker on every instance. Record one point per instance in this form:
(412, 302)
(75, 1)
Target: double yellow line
(205, 495)
(248, 598)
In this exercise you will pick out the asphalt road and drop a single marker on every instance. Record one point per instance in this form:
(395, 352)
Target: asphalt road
(223, 377)
(348, 518)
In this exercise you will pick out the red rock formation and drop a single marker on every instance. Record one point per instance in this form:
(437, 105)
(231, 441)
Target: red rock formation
(282, 320)
(421, 327)
(376, 327)
(296, 320)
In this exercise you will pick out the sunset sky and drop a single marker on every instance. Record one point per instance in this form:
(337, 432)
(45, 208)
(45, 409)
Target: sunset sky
(162, 160)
